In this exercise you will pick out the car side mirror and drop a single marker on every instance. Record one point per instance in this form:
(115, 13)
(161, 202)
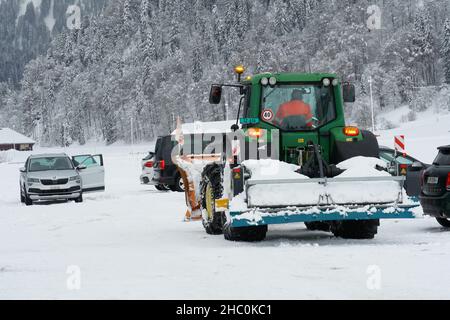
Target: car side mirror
(349, 93)
(215, 95)
(23, 170)
(81, 167)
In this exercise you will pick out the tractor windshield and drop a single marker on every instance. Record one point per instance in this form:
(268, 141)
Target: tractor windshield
(298, 107)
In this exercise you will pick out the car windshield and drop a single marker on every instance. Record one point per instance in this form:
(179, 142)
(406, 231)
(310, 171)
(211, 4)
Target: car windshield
(50, 163)
(443, 158)
(298, 107)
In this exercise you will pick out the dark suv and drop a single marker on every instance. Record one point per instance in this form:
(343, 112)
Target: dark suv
(166, 172)
(435, 197)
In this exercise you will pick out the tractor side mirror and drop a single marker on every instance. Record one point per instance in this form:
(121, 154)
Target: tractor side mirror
(216, 95)
(349, 92)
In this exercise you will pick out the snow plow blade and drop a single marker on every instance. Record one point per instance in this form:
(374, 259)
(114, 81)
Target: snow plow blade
(260, 217)
(263, 211)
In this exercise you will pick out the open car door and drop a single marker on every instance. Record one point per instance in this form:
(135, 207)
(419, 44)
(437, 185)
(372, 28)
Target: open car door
(92, 172)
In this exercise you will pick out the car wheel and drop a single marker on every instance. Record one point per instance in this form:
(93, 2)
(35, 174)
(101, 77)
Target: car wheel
(79, 199)
(22, 197)
(444, 222)
(161, 187)
(28, 201)
(179, 185)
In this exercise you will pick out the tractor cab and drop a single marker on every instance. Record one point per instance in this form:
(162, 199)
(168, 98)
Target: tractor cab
(305, 110)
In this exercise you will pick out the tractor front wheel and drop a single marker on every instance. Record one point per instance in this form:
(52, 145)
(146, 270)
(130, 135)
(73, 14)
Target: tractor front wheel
(211, 190)
(356, 229)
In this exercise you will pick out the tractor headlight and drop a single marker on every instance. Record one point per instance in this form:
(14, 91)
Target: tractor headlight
(264, 81)
(273, 81)
(335, 82)
(33, 180)
(326, 82)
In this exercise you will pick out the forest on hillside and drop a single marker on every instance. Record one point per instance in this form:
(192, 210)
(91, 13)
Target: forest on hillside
(128, 72)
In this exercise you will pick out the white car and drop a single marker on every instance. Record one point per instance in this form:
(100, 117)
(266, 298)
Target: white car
(148, 172)
(50, 177)
(147, 169)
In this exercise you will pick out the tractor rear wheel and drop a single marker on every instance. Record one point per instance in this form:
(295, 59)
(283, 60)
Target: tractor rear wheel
(211, 190)
(245, 234)
(355, 229)
(368, 147)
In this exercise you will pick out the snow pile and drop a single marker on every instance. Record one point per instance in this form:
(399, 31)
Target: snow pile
(313, 194)
(272, 169)
(361, 163)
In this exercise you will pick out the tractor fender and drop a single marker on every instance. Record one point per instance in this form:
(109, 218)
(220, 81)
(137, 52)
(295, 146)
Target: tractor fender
(344, 148)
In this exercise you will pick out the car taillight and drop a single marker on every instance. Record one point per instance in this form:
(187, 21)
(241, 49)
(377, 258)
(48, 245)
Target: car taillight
(149, 164)
(162, 165)
(448, 181)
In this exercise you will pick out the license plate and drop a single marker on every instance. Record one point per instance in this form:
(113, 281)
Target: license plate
(54, 188)
(433, 180)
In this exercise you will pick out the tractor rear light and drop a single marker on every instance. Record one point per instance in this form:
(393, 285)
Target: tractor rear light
(162, 165)
(447, 184)
(255, 133)
(351, 131)
(149, 164)
(237, 170)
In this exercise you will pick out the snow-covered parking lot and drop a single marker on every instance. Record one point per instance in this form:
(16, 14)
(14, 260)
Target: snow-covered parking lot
(131, 243)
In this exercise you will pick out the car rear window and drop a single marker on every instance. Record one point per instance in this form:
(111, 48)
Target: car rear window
(443, 158)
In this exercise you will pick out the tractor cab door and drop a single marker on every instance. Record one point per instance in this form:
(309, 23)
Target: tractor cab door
(92, 171)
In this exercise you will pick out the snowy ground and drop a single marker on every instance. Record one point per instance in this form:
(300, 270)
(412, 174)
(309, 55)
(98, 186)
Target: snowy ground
(131, 243)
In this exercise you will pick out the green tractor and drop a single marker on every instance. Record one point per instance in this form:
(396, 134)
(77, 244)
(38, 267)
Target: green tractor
(297, 119)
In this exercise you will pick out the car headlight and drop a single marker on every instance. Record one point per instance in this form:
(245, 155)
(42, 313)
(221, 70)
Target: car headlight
(77, 179)
(33, 180)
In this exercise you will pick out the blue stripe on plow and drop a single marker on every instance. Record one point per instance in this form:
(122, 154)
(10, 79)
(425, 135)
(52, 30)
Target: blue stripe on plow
(247, 219)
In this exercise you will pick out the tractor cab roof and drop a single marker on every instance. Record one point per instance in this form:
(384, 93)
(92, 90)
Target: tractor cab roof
(290, 77)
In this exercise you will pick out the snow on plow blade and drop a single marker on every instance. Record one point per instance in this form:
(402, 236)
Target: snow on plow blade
(300, 200)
